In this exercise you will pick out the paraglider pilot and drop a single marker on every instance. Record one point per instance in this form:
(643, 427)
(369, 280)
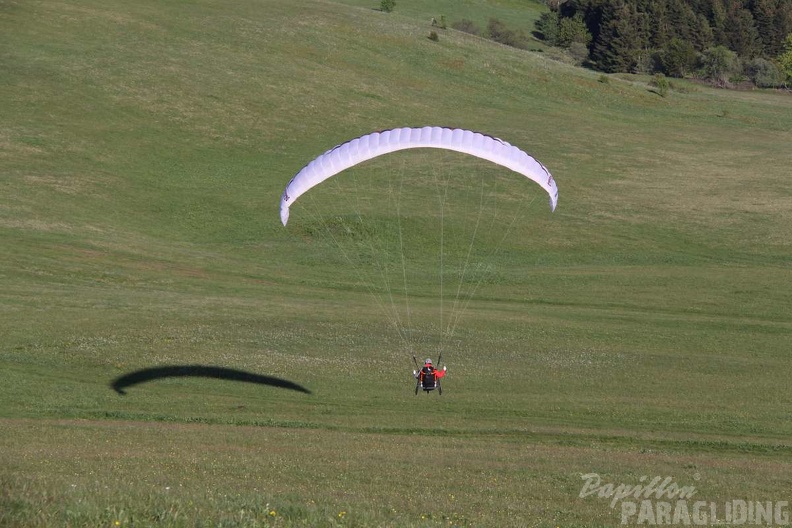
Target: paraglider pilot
(428, 377)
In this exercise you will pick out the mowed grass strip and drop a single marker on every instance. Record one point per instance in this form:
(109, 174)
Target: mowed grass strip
(292, 476)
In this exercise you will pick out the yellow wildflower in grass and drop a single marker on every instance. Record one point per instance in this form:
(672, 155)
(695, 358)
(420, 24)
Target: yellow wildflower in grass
(341, 514)
(273, 513)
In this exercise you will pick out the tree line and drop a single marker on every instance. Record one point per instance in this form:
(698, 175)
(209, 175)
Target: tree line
(724, 41)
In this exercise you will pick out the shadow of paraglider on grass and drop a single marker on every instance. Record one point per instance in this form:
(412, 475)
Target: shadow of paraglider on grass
(200, 371)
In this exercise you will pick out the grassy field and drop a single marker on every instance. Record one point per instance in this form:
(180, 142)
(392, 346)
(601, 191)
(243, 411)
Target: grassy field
(643, 329)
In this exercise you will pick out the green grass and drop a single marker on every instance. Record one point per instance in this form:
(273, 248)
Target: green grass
(641, 329)
(516, 15)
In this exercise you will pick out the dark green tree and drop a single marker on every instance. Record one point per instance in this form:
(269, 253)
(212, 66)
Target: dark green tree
(742, 37)
(592, 12)
(683, 20)
(702, 37)
(718, 22)
(679, 58)
(623, 43)
(764, 14)
(719, 64)
(547, 25)
(571, 30)
(661, 30)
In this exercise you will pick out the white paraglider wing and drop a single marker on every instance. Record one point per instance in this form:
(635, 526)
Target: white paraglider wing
(372, 145)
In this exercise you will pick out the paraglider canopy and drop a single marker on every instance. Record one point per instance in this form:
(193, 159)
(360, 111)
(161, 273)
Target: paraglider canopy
(376, 144)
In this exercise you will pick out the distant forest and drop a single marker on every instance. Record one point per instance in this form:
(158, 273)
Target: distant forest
(723, 41)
